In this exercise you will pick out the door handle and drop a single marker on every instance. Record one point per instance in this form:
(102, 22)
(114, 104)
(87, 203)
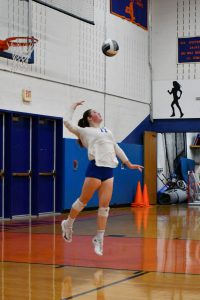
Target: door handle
(52, 173)
(21, 174)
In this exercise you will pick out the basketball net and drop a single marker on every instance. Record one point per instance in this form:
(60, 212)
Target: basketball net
(20, 56)
(21, 49)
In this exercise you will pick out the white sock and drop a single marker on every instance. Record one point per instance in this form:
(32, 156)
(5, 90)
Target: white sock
(70, 221)
(100, 234)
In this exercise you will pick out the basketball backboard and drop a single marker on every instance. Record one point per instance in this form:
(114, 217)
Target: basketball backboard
(16, 21)
(79, 9)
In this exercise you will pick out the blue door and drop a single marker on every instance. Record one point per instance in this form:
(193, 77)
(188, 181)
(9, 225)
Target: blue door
(20, 164)
(1, 163)
(44, 145)
(32, 164)
(46, 165)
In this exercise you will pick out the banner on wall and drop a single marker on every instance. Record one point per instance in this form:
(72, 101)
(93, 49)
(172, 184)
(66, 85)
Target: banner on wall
(134, 11)
(189, 50)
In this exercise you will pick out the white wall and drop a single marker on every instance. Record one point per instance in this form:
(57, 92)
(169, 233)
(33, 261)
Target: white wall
(162, 99)
(172, 19)
(69, 65)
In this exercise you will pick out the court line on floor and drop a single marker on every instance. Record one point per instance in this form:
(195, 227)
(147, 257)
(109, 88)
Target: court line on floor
(106, 285)
(135, 271)
(59, 266)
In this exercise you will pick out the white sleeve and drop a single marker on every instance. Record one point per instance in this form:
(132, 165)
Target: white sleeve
(120, 153)
(69, 124)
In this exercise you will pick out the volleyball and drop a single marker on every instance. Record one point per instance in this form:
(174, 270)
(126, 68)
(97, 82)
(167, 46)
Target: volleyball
(110, 47)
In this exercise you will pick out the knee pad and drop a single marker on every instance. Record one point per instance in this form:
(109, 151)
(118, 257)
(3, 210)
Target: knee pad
(78, 205)
(103, 211)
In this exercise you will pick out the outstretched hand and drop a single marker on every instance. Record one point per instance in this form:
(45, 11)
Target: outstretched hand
(74, 105)
(140, 168)
(132, 166)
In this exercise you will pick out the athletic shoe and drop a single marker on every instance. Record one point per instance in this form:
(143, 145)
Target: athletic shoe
(98, 246)
(66, 231)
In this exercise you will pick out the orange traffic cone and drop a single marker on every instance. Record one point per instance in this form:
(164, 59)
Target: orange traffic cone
(145, 196)
(138, 201)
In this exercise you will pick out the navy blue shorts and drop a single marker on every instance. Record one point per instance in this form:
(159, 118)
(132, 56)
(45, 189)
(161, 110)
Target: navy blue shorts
(102, 173)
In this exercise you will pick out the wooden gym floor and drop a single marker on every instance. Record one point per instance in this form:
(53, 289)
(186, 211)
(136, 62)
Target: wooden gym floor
(149, 253)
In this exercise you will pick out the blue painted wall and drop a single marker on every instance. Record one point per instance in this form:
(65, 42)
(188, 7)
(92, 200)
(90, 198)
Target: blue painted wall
(125, 179)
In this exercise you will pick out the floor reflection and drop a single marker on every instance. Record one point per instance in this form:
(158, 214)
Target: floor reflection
(37, 264)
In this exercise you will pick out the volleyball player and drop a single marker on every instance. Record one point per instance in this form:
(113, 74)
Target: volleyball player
(102, 153)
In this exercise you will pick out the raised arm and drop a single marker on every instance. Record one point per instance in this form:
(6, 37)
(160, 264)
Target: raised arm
(75, 129)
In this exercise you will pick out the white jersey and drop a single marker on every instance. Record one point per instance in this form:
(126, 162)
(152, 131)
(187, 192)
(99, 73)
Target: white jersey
(100, 143)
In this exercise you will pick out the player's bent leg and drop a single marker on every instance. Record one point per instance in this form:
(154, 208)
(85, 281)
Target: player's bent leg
(103, 212)
(67, 225)
(89, 187)
(105, 194)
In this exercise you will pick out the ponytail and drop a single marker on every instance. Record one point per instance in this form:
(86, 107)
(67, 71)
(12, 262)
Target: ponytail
(83, 122)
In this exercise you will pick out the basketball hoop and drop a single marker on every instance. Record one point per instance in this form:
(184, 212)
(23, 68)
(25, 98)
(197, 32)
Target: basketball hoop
(21, 49)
